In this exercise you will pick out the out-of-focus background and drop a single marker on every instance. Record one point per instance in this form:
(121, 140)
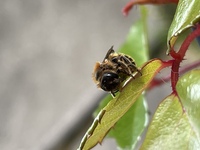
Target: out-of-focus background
(47, 53)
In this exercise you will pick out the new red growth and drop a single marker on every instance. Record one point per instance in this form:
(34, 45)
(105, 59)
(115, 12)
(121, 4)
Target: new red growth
(130, 4)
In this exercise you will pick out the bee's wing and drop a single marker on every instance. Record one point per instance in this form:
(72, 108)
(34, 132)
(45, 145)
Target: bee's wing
(111, 50)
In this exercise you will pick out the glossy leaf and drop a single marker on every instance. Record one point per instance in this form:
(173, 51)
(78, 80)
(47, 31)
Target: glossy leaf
(176, 124)
(187, 14)
(188, 88)
(118, 106)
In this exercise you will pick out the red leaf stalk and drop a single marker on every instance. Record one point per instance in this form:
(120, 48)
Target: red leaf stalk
(157, 82)
(130, 4)
(179, 56)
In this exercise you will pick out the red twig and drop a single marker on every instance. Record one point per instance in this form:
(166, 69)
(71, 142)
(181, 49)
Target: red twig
(130, 4)
(157, 82)
(179, 56)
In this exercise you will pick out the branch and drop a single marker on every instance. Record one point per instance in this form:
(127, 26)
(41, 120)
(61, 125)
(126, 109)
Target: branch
(130, 4)
(179, 56)
(157, 82)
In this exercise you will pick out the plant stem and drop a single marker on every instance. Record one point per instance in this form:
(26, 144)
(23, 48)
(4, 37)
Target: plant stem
(179, 56)
(130, 4)
(157, 82)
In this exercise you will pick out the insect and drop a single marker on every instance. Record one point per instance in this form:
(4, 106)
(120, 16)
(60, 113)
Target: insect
(113, 71)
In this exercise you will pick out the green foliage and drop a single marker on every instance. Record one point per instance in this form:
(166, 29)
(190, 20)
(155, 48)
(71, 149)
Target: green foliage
(175, 124)
(188, 88)
(119, 105)
(136, 43)
(187, 14)
(135, 119)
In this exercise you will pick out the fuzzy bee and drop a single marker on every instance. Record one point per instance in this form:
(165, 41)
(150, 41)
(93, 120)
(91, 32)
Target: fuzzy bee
(113, 71)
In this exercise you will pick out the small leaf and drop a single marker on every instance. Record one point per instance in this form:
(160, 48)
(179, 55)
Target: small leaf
(117, 107)
(176, 123)
(187, 14)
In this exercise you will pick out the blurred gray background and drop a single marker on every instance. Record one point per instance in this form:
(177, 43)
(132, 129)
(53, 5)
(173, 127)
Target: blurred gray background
(47, 53)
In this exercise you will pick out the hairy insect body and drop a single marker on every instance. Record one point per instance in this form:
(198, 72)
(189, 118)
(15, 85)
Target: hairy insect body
(113, 71)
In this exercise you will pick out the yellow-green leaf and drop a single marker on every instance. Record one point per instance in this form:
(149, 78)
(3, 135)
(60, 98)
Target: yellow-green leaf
(131, 125)
(188, 88)
(118, 106)
(129, 128)
(170, 128)
(176, 123)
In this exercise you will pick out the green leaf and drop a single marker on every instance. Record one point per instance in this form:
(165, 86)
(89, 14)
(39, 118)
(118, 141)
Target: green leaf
(132, 124)
(187, 14)
(118, 106)
(136, 44)
(176, 123)
(188, 88)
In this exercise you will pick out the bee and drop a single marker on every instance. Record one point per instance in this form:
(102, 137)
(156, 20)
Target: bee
(113, 71)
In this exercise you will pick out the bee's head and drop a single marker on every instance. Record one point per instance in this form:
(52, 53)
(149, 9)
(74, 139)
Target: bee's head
(110, 81)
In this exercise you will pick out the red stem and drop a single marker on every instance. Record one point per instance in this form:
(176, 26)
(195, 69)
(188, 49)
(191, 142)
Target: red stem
(157, 82)
(175, 74)
(179, 56)
(130, 4)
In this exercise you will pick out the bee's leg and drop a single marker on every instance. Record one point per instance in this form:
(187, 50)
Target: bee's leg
(128, 66)
(108, 53)
(130, 63)
(139, 71)
(112, 94)
(125, 59)
(132, 76)
(123, 67)
(134, 68)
